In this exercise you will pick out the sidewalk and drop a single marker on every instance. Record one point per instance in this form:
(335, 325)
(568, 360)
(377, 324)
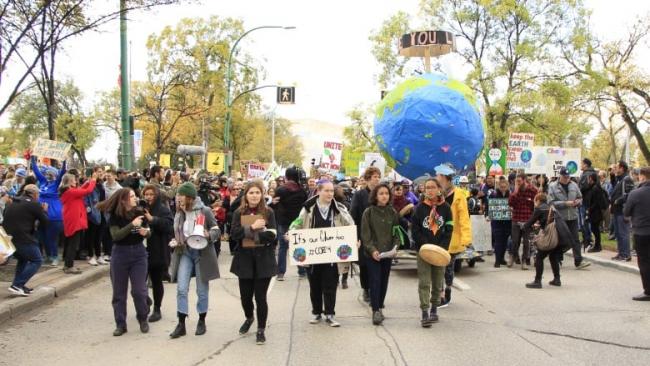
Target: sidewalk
(48, 284)
(604, 258)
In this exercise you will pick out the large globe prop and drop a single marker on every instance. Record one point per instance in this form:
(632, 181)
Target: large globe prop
(427, 121)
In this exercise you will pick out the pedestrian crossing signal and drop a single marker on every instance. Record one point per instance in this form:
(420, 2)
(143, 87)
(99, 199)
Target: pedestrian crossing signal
(286, 95)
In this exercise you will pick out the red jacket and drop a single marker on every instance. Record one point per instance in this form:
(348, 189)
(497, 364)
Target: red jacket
(74, 209)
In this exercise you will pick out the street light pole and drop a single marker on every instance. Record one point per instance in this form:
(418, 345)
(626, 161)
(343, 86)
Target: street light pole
(126, 142)
(229, 101)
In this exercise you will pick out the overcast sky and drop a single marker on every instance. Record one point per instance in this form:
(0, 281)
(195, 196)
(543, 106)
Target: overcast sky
(327, 57)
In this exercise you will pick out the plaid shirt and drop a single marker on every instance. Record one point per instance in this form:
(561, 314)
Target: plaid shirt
(523, 204)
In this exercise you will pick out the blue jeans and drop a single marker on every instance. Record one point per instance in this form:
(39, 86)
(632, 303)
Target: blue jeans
(283, 248)
(622, 235)
(50, 238)
(189, 264)
(584, 224)
(29, 261)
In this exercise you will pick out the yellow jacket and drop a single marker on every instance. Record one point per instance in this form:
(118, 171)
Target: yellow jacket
(461, 237)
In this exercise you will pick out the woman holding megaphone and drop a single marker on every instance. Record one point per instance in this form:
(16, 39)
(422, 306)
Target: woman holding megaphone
(195, 229)
(432, 228)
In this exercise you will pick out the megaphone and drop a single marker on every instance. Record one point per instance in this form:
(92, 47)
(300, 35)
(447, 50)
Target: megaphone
(198, 240)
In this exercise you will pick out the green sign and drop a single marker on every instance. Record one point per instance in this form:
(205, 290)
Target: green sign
(351, 160)
(495, 162)
(498, 209)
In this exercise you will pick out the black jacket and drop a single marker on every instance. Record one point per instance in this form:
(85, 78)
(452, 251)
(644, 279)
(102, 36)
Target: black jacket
(162, 231)
(584, 179)
(360, 202)
(638, 207)
(540, 214)
(292, 197)
(259, 262)
(20, 219)
(622, 189)
(422, 234)
(596, 201)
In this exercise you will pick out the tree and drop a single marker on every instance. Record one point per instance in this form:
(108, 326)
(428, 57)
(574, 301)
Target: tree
(33, 32)
(358, 136)
(509, 45)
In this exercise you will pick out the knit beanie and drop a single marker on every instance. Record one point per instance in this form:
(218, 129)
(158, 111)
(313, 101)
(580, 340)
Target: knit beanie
(187, 189)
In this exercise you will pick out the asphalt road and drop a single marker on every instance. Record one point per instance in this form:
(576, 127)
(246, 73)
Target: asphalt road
(590, 320)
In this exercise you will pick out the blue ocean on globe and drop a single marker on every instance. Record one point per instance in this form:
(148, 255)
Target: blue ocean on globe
(427, 121)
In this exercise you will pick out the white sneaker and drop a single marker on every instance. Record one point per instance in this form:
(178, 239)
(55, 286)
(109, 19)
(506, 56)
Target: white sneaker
(92, 261)
(55, 263)
(18, 291)
(316, 319)
(101, 261)
(329, 319)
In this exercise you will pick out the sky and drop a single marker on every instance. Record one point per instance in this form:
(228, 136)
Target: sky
(327, 57)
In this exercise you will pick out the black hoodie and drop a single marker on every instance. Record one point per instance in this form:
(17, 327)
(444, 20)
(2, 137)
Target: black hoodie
(292, 197)
(422, 234)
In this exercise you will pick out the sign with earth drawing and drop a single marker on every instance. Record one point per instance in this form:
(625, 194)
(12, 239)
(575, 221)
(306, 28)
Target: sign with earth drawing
(549, 160)
(495, 162)
(331, 157)
(519, 150)
(323, 245)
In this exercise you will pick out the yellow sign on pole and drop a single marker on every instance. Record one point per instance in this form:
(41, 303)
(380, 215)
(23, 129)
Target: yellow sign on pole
(165, 160)
(216, 162)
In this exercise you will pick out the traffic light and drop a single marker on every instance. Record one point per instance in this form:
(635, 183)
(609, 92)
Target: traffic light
(313, 161)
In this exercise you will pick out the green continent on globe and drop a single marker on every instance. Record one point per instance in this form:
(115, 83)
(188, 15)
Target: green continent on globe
(382, 149)
(398, 94)
(463, 89)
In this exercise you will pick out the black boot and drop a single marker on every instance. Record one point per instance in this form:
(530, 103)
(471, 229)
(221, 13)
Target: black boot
(534, 284)
(260, 338)
(200, 326)
(180, 327)
(119, 331)
(246, 326)
(344, 281)
(144, 326)
(425, 322)
(155, 316)
(556, 282)
(433, 315)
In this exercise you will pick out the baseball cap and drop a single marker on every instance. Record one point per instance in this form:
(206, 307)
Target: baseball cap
(564, 172)
(21, 172)
(464, 179)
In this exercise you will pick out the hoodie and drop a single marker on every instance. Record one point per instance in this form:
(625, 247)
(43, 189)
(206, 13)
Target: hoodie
(421, 229)
(292, 197)
(48, 191)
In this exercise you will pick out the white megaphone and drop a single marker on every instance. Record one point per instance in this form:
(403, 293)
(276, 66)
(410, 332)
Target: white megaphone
(198, 240)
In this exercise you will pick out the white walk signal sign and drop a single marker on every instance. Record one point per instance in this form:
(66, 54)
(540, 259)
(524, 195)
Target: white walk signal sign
(286, 95)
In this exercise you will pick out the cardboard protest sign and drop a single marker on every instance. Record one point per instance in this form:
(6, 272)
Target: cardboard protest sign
(351, 161)
(498, 209)
(376, 160)
(519, 150)
(44, 148)
(495, 162)
(255, 171)
(165, 160)
(215, 162)
(331, 158)
(323, 245)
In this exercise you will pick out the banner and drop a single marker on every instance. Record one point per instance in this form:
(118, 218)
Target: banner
(495, 162)
(255, 171)
(498, 209)
(351, 161)
(215, 162)
(548, 160)
(376, 160)
(165, 160)
(331, 158)
(324, 245)
(519, 150)
(137, 143)
(44, 148)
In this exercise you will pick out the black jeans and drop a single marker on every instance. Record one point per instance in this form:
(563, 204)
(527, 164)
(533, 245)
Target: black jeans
(323, 280)
(157, 274)
(93, 239)
(70, 246)
(363, 270)
(554, 257)
(595, 229)
(249, 287)
(378, 275)
(575, 241)
(642, 247)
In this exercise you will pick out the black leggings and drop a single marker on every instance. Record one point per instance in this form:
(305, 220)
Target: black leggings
(257, 287)
(595, 229)
(70, 246)
(554, 257)
(157, 273)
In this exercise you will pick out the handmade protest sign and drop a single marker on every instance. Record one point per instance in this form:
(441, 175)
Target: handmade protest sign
(323, 245)
(498, 209)
(44, 148)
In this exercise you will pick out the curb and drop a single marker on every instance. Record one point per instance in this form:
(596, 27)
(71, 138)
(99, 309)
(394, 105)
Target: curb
(608, 263)
(45, 295)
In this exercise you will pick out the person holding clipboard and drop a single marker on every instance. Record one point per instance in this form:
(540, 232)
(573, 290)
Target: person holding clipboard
(254, 226)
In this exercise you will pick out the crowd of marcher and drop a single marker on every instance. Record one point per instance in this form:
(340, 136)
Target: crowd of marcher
(142, 224)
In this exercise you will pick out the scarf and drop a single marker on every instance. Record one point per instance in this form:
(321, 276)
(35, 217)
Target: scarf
(400, 202)
(433, 223)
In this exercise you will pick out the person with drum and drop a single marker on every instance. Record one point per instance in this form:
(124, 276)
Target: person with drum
(193, 255)
(432, 228)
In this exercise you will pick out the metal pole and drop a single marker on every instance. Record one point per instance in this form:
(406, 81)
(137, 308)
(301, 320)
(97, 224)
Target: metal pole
(273, 136)
(127, 156)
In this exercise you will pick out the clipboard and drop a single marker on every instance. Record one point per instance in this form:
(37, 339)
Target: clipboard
(248, 220)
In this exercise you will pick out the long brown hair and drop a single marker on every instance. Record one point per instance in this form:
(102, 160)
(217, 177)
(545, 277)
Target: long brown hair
(261, 207)
(117, 204)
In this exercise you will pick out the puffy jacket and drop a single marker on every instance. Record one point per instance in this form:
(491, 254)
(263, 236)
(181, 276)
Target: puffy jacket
(74, 210)
(461, 237)
(48, 191)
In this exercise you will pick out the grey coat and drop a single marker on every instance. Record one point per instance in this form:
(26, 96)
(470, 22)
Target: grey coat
(209, 267)
(557, 197)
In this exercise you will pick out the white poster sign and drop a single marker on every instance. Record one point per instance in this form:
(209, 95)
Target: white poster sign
(44, 148)
(548, 160)
(481, 233)
(331, 157)
(137, 143)
(376, 160)
(519, 150)
(256, 171)
(324, 245)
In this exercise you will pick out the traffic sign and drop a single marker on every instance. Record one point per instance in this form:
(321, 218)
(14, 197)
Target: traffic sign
(286, 95)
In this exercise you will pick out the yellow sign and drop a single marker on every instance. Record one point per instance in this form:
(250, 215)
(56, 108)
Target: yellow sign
(165, 160)
(215, 162)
